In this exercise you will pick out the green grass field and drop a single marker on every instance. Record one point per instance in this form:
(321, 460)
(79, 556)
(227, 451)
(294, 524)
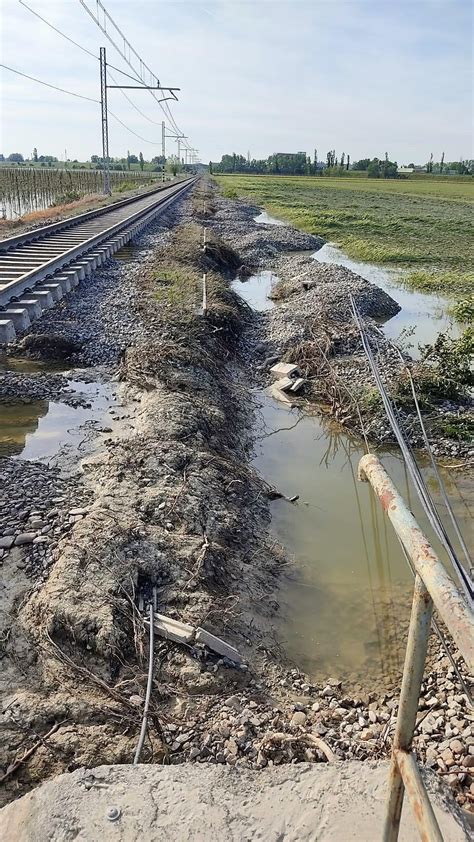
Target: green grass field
(426, 227)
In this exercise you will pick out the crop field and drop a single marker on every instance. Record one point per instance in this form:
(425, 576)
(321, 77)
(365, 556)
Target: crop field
(426, 227)
(23, 191)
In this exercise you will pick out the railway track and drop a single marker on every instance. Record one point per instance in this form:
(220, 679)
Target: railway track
(38, 268)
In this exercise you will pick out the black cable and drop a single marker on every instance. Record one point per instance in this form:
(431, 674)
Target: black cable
(47, 84)
(71, 41)
(419, 483)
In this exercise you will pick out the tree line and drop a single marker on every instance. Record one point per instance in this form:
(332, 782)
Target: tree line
(299, 163)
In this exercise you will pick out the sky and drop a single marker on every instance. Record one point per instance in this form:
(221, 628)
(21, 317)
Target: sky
(362, 77)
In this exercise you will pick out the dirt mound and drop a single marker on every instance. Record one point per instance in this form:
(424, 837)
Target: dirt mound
(48, 346)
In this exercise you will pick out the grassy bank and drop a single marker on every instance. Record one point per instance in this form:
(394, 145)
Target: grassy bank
(425, 227)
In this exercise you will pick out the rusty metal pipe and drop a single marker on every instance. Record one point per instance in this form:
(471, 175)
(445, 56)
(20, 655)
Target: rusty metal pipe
(425, 818)
(450, 604)
(417, 644)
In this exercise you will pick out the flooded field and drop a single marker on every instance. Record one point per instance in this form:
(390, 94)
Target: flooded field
(345, 605)
(421, 318)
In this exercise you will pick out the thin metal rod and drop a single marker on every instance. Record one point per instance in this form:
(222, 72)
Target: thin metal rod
(417, 645)
(204, 294)
(450, 603)
(423, 812)
(144, 88)
(141, 739)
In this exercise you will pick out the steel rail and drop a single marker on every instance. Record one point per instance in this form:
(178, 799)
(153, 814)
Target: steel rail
(53, 254)
(72, 221)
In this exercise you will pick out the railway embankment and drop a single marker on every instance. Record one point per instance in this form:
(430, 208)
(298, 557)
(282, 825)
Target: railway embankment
(167, 506)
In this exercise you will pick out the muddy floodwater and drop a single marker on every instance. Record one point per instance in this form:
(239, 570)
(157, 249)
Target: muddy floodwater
(421, 318)
(54, 432)
(345, 601)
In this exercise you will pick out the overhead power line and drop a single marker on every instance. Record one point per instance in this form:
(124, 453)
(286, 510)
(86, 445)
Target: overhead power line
(48, 85)
(96, 58)
(71, 40)
(127, 52)
(153, 142)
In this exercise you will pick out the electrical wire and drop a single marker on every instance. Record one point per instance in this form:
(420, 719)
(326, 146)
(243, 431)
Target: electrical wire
(152, 142)
(433, 461)
(163, 105)
(47, 84)
(419, 483)
(143, 728)
(71, 41)
(155, 122)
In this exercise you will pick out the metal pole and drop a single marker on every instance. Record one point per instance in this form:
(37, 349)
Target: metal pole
(418, 634)
(163, 135)
(104, 121)
(179, 150)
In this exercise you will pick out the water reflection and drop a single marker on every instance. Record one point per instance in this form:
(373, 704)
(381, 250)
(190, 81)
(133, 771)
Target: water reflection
(255, 290)
(422, 316)
(345, 608)
(40, 429)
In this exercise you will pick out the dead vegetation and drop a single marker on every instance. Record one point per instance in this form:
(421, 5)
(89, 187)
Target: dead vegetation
(203, 200)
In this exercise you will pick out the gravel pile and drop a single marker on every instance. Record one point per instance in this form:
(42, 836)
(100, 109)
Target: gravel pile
(38, 508)
(322, 722)
(23, 388)
(258, 242)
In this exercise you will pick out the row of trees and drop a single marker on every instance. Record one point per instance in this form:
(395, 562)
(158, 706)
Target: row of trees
(298, 163)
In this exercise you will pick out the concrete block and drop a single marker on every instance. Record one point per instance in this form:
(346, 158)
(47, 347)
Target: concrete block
(7, 330)
(285, 384)
(284, 369)
(85, 265)
(70, 275)
(55, 289)
(43, 296)
(297, 384)
(66, 283)
(218, 645)
(33, 306)
(18, 315)
(98, 258)
(278, 395)
(173, 629)
(80, 271)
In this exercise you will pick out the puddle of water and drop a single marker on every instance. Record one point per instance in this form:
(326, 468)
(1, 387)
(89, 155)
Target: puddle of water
(26, 365)
(40, 430)
(425, 313)
(422, 316)
(255, 290)
(265, 219)
(345, 611)
(345, 607)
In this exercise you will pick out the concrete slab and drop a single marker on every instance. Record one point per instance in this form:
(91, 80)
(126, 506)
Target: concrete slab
(297, 384)
(284, 369)
(7, 331)
(319, 802)
(55, 289)
(18, 315)
(33, 306)
(173, 629)
(218, 645)
(285, 384)
(43, 296)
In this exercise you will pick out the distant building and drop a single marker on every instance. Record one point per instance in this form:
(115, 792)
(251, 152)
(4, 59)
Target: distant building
(405, 170)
